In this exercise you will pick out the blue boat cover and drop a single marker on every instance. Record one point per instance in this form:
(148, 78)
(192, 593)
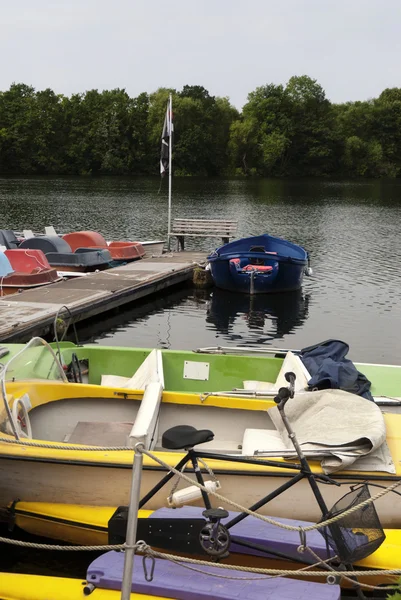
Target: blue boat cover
(5, 265)
(329, 368)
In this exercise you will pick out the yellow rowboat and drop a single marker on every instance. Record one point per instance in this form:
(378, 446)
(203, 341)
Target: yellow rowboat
(100, 525)
(65, 418)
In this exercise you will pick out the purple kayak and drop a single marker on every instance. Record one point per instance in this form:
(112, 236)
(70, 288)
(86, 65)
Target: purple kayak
(254, 531)
(173, 580)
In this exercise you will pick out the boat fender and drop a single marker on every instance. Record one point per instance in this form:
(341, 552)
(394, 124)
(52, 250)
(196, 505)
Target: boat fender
(20, 416)
(191, 494)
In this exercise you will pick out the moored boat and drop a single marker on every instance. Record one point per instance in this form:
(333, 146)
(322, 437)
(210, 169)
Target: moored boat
(252, 542)
(151, 247)
(259, 265)
(21, 270)
(66, 417)
(58, 253)
(120, 251)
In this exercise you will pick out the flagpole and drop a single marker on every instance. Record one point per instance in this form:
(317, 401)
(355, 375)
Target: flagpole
(170, 155)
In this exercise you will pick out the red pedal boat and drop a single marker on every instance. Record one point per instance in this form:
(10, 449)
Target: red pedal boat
(120, 251)
(23, 270)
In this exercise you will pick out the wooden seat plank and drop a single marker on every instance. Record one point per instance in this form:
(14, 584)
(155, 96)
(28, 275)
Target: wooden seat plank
(182, 228)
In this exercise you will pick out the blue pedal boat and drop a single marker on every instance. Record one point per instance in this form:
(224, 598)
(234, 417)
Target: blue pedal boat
(259, 265)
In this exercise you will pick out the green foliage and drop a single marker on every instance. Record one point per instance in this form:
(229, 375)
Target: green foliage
(283, 131)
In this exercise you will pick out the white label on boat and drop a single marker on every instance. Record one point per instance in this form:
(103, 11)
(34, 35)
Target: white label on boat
(196, 370)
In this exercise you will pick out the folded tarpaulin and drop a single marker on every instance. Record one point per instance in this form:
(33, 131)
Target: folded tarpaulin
(343, 430)
(329, 368)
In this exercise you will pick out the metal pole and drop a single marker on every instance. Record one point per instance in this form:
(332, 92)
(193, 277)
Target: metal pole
(132, 523)
(170, 155)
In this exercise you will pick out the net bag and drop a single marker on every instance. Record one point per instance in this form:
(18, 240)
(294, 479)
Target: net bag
(357, 535)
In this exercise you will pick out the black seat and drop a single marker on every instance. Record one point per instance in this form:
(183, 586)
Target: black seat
(185, 436)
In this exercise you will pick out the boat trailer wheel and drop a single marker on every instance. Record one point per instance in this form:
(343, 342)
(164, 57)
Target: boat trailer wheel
(214, 537)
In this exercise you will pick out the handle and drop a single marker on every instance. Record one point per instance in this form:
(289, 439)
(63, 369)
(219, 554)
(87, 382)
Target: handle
(285, 393)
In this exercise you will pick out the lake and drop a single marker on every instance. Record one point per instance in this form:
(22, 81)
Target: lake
(350, 229)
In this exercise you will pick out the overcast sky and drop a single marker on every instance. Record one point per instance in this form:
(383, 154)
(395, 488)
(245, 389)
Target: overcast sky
(352, 47)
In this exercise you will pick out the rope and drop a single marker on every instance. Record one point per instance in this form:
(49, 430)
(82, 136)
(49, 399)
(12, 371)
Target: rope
(208, 469)
(35, 546)
(175, 486)
(177, 560)
(243, 509)
(144, 548)
(263, 517)
(350, 579)
(284, 572)
(66, 446)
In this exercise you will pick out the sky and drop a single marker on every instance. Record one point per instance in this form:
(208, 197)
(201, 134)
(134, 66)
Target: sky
(352, 47)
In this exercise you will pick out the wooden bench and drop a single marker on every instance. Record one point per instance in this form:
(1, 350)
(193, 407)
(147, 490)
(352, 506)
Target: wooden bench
(203, 228)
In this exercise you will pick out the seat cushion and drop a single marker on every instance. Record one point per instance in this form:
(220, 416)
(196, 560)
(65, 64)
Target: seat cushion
(261, 440)
(185, 436)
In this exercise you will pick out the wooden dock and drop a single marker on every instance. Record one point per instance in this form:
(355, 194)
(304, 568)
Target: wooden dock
(32, 312)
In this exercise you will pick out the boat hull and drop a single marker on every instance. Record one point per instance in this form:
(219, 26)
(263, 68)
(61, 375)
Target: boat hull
(47, 479)
(11, 284)
(17, 586)
(120, 251)
(258, 265)
(153, 247)
(285, 277)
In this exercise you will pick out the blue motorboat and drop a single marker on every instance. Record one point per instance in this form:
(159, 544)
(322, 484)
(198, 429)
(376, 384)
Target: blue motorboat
(258, 265)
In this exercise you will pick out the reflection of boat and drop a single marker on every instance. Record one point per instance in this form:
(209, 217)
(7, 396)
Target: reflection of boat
(258, 265)
(120, 251)
(58, 252)
(285, 311)
(23, 270)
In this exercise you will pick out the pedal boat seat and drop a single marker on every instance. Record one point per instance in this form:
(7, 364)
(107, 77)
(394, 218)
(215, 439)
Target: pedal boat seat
(185, 436)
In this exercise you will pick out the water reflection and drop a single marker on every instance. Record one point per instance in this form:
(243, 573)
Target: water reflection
(144, 324)
(272, 315)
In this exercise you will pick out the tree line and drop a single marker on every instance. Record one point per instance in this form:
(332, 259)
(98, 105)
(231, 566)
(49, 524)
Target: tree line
(282, 131)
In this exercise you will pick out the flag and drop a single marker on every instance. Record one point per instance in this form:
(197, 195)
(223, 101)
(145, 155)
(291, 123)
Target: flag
(166, 133)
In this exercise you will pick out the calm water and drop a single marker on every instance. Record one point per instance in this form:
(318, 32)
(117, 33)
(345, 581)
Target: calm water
(351, 229)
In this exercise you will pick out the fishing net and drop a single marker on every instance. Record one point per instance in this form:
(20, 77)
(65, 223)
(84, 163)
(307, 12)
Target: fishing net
(358, 534)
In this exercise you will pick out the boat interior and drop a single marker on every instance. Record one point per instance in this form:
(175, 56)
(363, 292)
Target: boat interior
(45, 406)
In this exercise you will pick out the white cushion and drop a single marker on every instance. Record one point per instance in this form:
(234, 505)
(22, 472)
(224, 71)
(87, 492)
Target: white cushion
(150, 370)
(258, 385)
(261, 440)
(292, 363)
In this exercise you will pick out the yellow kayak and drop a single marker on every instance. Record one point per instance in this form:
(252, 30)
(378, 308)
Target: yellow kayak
(95, 525)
